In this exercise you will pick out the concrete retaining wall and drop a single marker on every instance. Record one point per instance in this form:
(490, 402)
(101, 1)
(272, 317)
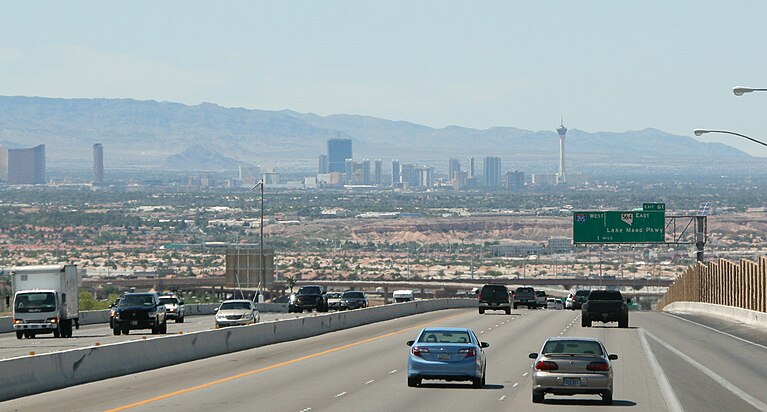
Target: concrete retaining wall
(91, 317)
(749, 317)
(29, 375)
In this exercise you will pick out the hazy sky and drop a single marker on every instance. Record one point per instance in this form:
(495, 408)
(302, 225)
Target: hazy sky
(604, 65)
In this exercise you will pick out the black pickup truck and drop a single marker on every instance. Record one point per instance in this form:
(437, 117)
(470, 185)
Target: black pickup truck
(605, 306)
(309, 297)
(139, 311)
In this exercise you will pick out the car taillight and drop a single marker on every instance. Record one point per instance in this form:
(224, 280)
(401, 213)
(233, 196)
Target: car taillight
(598, 366)
(419, 350)
(470, 352)
(546, 366)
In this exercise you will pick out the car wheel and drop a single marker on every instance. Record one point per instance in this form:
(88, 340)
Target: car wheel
(607, 398)
(476, 383)
(508, 311)
(181, 320)
(623, 323)
(164, 328)
(19, 334)
(585, 321)
(481, 311)
(515, 306)
(116, 331)
(57, 333)
(126, 331)
(538, 397)
(413, 382)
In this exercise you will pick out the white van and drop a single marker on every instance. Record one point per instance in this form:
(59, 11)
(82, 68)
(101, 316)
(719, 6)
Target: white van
(403, 295)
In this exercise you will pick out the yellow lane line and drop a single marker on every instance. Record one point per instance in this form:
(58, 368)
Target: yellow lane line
(275, 366)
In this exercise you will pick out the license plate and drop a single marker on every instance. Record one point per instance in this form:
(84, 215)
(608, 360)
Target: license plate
(134, 323)
(572, 381)
(443, 356)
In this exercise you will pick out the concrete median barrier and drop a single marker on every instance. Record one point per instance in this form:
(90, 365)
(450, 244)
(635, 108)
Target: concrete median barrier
(29, 375)
(732, 313)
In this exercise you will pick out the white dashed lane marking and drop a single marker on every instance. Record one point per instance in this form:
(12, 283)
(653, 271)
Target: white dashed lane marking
(340, 394)
(369, 382)
(391, 372)
(502, 398)
(515, 385)
(524, 374)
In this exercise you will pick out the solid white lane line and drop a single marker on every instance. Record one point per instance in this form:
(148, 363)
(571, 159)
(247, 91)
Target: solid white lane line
(340, 394)
(672, 402)
(717, 330)
(756, 403)
(370, 381)
(393, 371)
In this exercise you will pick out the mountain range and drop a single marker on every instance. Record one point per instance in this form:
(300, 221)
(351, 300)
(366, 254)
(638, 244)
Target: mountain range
(137, 133)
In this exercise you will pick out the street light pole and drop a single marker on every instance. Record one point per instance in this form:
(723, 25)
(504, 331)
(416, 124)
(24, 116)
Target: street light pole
(699, 132)
(261, 272)
(740, 90)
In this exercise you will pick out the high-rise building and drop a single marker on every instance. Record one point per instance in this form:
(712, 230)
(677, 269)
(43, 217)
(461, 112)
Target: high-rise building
(338, 151)
(515, 180)
(395, 173)
(378, 172)
(407, 175)
(98, 164)
(26, 166)
(323, 166)
(453, 166)
(349, 169)
(3, 162)
(492, 171)
(471, 168)
(562, 131)
(423, 176)
(366, 177)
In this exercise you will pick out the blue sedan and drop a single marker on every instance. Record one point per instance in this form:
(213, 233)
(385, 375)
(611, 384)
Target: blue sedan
(450, 354)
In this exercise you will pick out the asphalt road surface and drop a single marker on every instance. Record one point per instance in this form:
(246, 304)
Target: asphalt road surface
(665, 363)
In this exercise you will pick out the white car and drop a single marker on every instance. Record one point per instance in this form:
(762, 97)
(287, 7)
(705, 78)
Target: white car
(236, 312)
(554, 303)
(569, 301)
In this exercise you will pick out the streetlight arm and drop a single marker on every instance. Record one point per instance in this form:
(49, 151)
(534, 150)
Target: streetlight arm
(699, 132)
(740, 90)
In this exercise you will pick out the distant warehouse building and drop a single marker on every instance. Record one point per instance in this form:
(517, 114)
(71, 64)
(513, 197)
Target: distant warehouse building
(560, 244)
(518, 248)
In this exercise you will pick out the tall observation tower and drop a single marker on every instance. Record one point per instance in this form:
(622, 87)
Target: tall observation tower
(562, 130)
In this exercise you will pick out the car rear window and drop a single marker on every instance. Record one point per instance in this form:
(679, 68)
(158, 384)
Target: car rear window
(168, 301)
(572, 347)
(354, 295)
(440, 336)
(494, 290)
(310, 290)
(605, 295)
(582, 293)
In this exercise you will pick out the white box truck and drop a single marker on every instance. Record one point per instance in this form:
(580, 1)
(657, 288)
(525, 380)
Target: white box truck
(45, 300)
(402, 295)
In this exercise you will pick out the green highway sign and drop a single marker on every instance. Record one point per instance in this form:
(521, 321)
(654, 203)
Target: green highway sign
(619, 226)
(654, 206)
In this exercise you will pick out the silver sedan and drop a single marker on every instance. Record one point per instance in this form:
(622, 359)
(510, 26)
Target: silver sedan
(571, 366)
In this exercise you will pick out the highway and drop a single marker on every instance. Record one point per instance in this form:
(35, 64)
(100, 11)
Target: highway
(89, 335)
(666, 363)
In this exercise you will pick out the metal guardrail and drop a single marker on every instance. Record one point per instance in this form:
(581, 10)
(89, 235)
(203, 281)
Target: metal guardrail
(723, 282)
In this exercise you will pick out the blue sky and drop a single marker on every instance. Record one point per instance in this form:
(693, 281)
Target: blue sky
(604, 65)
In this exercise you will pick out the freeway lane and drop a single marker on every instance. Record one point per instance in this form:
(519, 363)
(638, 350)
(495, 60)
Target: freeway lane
(364, 369)
(88, 335)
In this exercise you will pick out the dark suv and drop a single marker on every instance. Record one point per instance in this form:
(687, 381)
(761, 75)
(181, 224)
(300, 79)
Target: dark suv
(580, 297)
(494, 297)
(307, 298)
(139, 311)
